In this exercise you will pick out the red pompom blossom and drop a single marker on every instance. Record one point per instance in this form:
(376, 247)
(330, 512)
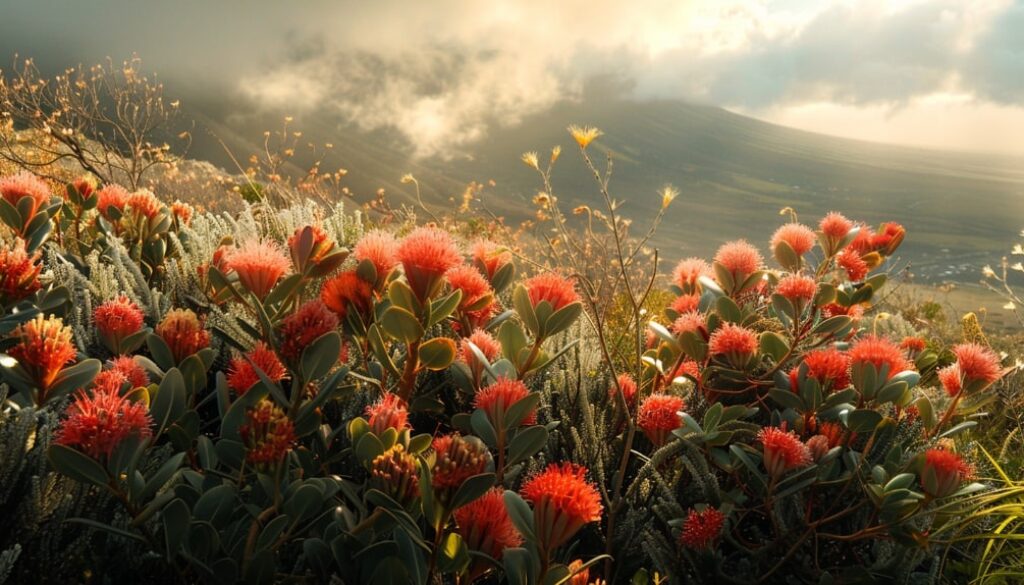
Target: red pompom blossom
(131, 370)
(628, 386)
(42, 348)
(380, 248)
(259, 265)
(830, 367)
(144, 203)
(397, 473)
(888, 238)
(783, 451)
(490, 257)
(943, 473)
(702, 529)
(485, 526)
(797, 289)
(487, 345)
(978, 364)
(735, 343)
(658, 416)
(305, 326)
(242, 373)
(183, 211)
(692, 322)
(555, 289)
(268, 434)
(426, 254)
(14, 188)
(913, 345)
(855, 266)
(19, 273)
(111, 195)
(456, 459)
(951, 379)
(686, 275)
(319, 247)
(563, 502)
(96, 424)
(116, 319)
(389, 412)
(347, 291)
(797, 236)
(496, 399)
(183, 333)
(739, 259)
(880, 353)
(835, 226)
(685, 303)
(477, 301)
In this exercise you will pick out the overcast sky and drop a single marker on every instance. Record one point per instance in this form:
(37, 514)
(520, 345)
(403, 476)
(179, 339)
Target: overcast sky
(942, 73)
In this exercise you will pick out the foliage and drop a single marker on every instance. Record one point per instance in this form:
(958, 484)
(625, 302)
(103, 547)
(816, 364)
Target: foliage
(286, 394)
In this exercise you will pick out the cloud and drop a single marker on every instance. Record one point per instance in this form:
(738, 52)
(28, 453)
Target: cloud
(443, 74)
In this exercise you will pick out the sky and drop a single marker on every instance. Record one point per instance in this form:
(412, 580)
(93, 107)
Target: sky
(446, 74)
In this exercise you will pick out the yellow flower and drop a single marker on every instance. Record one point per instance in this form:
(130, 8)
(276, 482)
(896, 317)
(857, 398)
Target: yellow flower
(530, 158)
(557, 150)
(584, 135)
(668, 193)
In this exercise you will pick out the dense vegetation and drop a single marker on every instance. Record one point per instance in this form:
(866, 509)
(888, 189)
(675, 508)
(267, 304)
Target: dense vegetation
(300, 393)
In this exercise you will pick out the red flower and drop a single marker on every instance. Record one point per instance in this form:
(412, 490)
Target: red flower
(735, 343)
(97, 424)
(456, 459)
(797, 289)
(111, 195)
(687, 273)
(951, 379)
(183, 333)
(303, 327)
(862, 243)
(855, 266)
(380, 248)
(879, 352)
(835, 226)
(388, 413)
(783, 451)
(347, 290)
(14, 188)
(830, 367)
(144, 203)
(833, 432)
(483, 341)
(496, 399)
(888, 239)
(108, 381)
(116, 319)
(555, 289)
(477, 297)
(563, 501)
(84, 185)
(183, 211)
(19, 273)
(397, 473)
(833, 309)
(132, 371)
(799, 237)
(43, 348)
(943, 473)
(913, 345)
(485, 526)
(628, 386)
(739, 259)
(687, 368)
(701, 529)
(490, 257)
(689, 322)
(685, 303)
(259, 265)
(658, 416)
(818, 447)
(242, 373)
(426, 254)
(978, 364)
(268, 434)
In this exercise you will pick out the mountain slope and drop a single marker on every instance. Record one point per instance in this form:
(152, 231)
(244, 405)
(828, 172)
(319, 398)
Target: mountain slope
(735, 173)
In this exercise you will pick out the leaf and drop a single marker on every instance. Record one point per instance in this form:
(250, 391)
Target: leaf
(176, 519)
(437, 353)
(774, 345)
(169, 402)
(562, 319)
(788, 399)
(441, 308)
(401, 324)
(160, 351)
(513, 341)
(483, 428)
(271, 531)
(74, 377)
(728, 310)
(320, 356)
(77, 465)
(526, 443)
(520, 514)
(831, 325)
(524, 308)
(863, 420)
(967, 424)
(107, 528)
